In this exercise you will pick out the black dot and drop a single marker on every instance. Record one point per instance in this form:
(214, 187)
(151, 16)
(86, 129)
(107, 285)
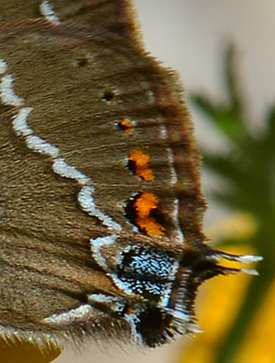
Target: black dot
(108, 96)
(130, 210)
(81, 62)
(131, 165)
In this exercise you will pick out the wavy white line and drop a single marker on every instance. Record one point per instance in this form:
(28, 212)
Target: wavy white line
(36, 143)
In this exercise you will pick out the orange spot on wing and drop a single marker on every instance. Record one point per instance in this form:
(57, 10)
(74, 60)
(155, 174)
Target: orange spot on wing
(127, 126)
(144, 205)
(141, 161)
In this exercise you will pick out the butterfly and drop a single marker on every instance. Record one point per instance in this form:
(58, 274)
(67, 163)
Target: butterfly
(101, 206)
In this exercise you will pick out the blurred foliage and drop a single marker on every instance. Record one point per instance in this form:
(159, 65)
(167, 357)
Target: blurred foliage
(248, 169)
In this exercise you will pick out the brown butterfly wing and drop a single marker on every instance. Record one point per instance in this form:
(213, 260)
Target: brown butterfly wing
(109, 15)
(84, 96)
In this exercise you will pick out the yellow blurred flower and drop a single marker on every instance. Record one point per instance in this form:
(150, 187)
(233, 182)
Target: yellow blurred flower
(220, 301)
(18, 352)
